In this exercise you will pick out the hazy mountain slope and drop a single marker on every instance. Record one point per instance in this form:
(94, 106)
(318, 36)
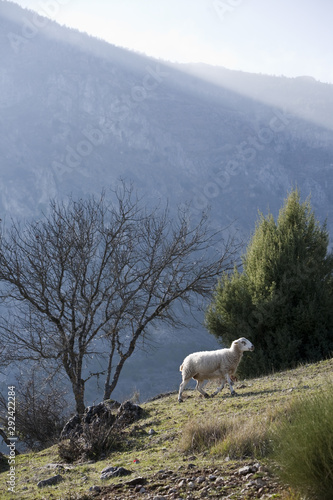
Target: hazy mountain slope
(76, 114)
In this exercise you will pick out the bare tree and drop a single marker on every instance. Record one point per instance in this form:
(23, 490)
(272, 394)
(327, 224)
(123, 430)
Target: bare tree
(92, 269)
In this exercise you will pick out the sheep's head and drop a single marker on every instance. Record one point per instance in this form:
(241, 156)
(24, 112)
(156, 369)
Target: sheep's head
(243, 344)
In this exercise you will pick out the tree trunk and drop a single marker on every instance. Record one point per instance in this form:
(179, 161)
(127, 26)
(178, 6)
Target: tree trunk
(109, 388)
(78, 389)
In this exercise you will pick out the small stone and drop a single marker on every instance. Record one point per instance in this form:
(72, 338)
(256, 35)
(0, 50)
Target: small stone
(191, 484)
(50, 481)
(248, 469)
(172, 490)
(259, 483)
(137, 481)
(200, 480)
(95, 488)
(107, 469)
(151, 432)
(55, 466)
(212, 477)
(109, 472)
(243, 471)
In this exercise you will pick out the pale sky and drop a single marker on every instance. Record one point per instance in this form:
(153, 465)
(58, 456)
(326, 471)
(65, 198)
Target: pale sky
(274, 37)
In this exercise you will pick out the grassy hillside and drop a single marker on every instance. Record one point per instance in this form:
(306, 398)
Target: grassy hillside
(212, 448)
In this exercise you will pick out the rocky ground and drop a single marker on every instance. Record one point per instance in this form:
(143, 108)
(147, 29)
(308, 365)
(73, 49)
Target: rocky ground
(189, 481)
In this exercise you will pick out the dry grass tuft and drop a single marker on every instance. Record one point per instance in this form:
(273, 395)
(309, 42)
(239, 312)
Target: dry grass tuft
(200, 435)
(236, 437)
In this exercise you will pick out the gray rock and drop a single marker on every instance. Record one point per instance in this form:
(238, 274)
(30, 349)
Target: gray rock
(258, 483)
(50, 481)
(95, 488)
(248, 469)
(137, 481)
(55, 466)
(109, 472)
(128, 413)
(97, 415)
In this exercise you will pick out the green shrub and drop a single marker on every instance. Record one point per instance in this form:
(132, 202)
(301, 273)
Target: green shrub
(303, 445)
(282, 299)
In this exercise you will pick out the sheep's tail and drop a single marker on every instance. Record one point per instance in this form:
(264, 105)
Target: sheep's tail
(181, 368)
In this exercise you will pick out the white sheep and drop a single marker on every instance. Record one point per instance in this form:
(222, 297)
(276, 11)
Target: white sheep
(208, 365)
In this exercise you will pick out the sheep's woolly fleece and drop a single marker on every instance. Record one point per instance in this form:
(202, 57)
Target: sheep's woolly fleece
(207, 365)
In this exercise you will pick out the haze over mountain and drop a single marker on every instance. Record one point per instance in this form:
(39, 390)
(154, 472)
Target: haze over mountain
(78, 114)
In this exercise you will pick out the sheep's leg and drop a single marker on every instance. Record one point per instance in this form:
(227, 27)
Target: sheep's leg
(182, 387)
(232, 390)
(200, 389)
(219, 389)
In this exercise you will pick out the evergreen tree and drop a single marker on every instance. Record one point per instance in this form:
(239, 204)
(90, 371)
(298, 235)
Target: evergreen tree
(283, 298)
